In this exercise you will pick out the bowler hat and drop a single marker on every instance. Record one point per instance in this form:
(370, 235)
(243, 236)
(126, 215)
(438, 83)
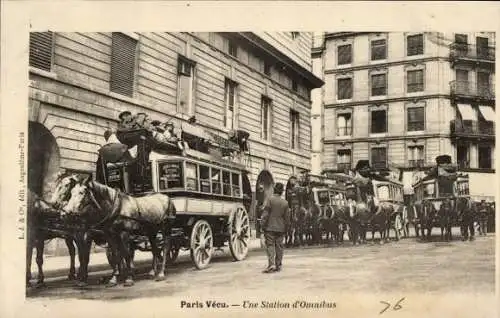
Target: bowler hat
(123, 113)
(278, 188)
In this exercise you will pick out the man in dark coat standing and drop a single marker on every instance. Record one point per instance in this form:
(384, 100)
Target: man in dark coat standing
(275, 222)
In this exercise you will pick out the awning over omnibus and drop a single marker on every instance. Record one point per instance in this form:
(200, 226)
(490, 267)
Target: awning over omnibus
(487, 112)
(467, 112)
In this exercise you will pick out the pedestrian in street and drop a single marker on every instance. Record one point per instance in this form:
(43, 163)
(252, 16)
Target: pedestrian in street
(275, 223)
(483, 218)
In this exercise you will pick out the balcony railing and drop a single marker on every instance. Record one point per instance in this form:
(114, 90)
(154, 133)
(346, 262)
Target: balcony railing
(472, 128)
(466, 88)
(344, 131)
(416, 163)
(463, 50)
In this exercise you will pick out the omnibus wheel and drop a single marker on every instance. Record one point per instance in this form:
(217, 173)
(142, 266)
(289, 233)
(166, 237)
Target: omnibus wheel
(239, 234)
(202, 243)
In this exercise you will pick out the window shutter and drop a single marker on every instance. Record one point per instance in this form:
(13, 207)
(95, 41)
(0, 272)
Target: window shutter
(123, 57)
(41, 50)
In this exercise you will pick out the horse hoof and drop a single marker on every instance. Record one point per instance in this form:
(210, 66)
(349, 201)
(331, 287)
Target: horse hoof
(71, 277)
(40, 285)
(81, 284)
(160, 278)
(112, 282)
(128, 282)
(152, 273)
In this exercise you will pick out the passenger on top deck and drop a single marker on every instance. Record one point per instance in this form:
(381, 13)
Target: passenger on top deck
(126, 120)
(143, 121)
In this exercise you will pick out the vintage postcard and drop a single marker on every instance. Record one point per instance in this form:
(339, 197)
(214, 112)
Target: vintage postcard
(184, 159)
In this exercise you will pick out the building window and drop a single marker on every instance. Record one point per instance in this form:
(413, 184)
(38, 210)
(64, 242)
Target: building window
(461, 45)
(378, 121)
(230, 102)
(484, 157)
(462, 82)
(463, 159)
(294, 129)
(415, 81)
(266, 108)
(185, 70)
(344, 88)
(415, 118)
(379, 84)
(232, 48)
(123, 63)
(344, 159)
(483, 84)
(415, 45)
(482, 47)
(267, 68)
(41, 44)
(379, 158)
(379, 49)
(415, 156)
(344, 54)
(344, 124)
(461, 38)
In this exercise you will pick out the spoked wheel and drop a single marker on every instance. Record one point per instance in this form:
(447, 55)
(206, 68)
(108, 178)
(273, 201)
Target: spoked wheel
(239, 234)
(202, 244)
(398, 226)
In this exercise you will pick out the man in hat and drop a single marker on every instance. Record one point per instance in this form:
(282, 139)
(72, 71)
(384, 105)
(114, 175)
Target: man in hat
(275, 222)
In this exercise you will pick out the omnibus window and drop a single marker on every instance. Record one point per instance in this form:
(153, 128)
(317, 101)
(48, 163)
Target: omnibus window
(235, 179)
(216, 186)
(170, 175)
(226, 183)
(429, 190)
(191, 177)
(205, 179)
(383, 192)
(445, 187)
(323, 197)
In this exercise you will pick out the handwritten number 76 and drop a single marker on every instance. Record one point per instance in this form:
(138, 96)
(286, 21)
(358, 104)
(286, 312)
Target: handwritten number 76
(397, 306)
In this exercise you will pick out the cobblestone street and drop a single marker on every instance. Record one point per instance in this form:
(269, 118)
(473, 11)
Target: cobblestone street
(399, 268)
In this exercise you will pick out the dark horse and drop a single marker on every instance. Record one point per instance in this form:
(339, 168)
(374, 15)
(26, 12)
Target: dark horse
(466, 212)
(428, 217)
(120, 218)
(41, 217)
(446, 215)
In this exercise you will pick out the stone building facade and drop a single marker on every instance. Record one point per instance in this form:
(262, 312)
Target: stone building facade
(401, 99)
(257, 82)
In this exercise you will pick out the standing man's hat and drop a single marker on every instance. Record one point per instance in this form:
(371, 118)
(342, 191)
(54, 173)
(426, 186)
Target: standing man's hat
(123, 113)
(278, 188)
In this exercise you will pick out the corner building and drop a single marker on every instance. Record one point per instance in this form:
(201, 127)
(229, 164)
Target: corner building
(401, 99)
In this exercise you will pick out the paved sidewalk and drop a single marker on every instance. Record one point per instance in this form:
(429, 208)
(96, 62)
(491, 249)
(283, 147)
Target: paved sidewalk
(58, 266)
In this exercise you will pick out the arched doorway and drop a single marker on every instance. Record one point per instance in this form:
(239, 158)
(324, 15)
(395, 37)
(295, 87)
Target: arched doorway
(43, 159)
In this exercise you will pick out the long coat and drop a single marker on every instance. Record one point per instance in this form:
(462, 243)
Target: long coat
(276, 215)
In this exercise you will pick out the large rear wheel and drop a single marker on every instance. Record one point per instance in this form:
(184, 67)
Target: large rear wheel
(239, 234)
(202, 244)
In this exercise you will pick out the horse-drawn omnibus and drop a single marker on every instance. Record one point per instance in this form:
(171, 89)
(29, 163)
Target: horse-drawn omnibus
(439, 193)
(211, 191)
